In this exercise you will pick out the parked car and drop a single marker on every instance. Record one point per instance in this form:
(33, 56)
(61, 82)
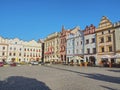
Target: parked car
(41, 63)
(13, 64)
(23, 63)
(34, 63)
(1, 64)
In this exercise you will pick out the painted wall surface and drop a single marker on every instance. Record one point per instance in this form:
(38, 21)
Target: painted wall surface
(117, 37)
(52, 47)
(18, 50)
(74, 44)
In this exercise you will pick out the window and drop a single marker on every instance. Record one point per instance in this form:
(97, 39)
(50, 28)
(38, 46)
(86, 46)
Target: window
(87, 41)
(93, 40)
(14, 48)
(65, 41)
(15, 42)
(86, 59)
(19, 54)
(14, 54)
(3, 53)
(108, 31)
(94, 50)
(110, 48)
(20, 49)
(10, 54)
(102, 49)
(81, 42)
(102, 33)
(88, 51)
(3, 48)
(109, 39)
(10, 48)
(101, 40)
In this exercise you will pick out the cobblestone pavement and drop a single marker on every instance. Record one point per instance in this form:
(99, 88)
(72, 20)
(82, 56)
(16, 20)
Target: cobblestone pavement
(59, 77)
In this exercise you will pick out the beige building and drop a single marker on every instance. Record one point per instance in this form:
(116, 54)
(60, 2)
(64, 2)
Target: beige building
(3, 49)
(105, 40)
(32, 51)
(52, 48)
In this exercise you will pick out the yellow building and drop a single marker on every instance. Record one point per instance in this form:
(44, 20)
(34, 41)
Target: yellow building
(105, 40)
(51, 48)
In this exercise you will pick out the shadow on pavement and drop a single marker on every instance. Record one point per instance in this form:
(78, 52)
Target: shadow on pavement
(102, 77)
(115, 71)
(22, 83)
(108, 88)
(95, 76)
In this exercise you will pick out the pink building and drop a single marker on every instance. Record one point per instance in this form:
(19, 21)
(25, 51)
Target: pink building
(63, 35)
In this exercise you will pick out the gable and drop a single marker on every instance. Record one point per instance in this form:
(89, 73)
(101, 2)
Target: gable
(105, 23)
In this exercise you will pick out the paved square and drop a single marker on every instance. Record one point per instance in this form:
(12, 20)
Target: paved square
(59, 77)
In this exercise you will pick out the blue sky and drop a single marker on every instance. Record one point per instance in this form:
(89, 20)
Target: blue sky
(35, 19)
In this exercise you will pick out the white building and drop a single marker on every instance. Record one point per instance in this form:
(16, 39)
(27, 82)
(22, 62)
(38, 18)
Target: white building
(15, 50)
(75, 46)
(18, 50)
(90, 44)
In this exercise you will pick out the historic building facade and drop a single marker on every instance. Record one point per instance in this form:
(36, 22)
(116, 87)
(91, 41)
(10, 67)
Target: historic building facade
(105, 40)
(63, 43)
(75, 45)
(3, 49)
(18, 50)
(90, 44)
(52, 45)
(117, 41)
(15, 50)
(32, 51)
